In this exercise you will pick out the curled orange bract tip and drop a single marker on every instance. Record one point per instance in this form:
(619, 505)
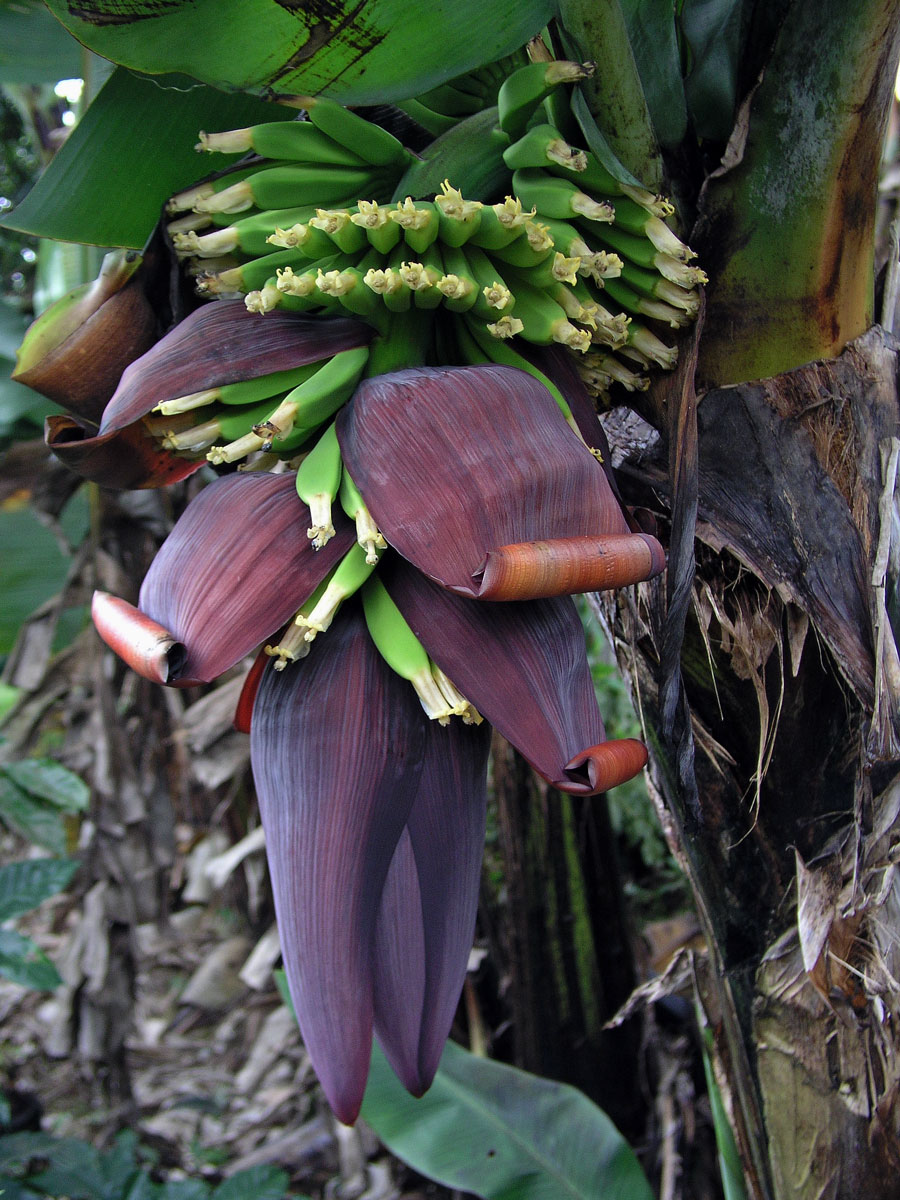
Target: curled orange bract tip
(563, 566)
(145, 645)
(607, 765)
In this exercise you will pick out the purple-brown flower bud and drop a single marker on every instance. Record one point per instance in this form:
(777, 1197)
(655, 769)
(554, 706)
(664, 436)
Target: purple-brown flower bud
(76, 351)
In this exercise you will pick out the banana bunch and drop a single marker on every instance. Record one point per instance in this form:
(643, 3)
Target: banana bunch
(322, 221)
(571, 255)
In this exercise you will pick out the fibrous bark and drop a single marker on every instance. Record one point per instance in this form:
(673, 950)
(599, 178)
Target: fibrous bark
(768, 678)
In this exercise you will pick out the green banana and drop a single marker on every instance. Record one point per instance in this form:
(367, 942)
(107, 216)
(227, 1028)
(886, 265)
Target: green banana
(576, 307)
(318, 398)
(653, 285)
(369, 141)
(554, 268)
(348, 287)
(249, 276)
(569, 240)
(338, 225)
(318, 481)
(293, 185)
(459, 289)
(650, 347)
(373, 219)
(523, 91)
(422, 278)
(405, 341)
(458, 219)
(390, 284)
(607, 369)
(493, 298)
(292, 645)
(368, 536)
(221, 423)
(387, 283)
(501, 224)
(659, 235)
(451, 101)
(405, 654)
(348, 577)
(249, 235)
(302, 282)
(296, 141)
(432, 122)
(644, 254)
(529, 251)
(657, 309)
(558, 198)
(590, 175)
(308, 240)
(541, 320)
(244, 391)
(581, 303)
(544, 146)
(419, 222)
(288, 291)
(186, 200)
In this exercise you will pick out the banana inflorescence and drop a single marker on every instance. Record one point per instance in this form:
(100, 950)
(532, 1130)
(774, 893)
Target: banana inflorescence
(321, 221)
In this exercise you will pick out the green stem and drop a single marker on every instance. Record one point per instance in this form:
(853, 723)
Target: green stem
(402, 343)
(596, 29)
(787, 235)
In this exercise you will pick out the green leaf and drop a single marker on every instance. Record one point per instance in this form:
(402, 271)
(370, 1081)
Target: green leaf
(49, 780)
(142, 1188)
(124, 1175)
(74, 1170)
(23, 885)
(712, 33)
(257, 1183)
(651, 31)
(131, 150)
(32, 566)
(184, 1189)
(34, 820)
(11, 1189)
(20, 406)
(17, 1148)
(729, 1159)
(34, 47)
(502, 1134)
(355, 52)
(25, 963)
(470, 155)
(13, 324)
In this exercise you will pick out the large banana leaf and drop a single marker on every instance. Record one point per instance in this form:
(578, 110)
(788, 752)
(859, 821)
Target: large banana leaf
(131, 150)
(33, 47)
(652, 33)
(357, 52)
(501, 1133)
(712, 32)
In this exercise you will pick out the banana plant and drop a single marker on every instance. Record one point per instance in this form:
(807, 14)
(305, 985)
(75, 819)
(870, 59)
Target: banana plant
(404, 331)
